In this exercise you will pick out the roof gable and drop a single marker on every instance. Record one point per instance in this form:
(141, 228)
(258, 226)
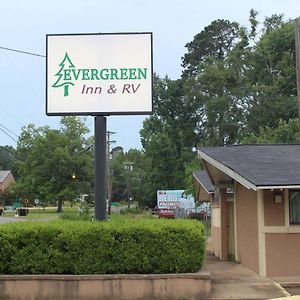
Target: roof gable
(3, 175)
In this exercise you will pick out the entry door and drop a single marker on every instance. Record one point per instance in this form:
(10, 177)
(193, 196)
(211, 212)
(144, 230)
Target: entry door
(230, 230)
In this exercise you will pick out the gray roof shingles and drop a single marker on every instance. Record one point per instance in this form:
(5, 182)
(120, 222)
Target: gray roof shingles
(262, 165)
(204, 179)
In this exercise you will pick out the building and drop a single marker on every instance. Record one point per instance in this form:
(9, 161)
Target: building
(256, 206)
(6, 178)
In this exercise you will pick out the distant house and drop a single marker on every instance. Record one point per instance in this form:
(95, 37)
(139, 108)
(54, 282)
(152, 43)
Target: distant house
(6, 178)
(255, 205)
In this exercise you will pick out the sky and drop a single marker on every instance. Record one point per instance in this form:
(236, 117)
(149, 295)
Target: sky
(174, 23)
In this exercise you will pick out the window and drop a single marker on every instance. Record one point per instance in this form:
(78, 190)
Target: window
(295, 207)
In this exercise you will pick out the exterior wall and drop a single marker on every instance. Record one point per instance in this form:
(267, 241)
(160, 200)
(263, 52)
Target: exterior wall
(216, 231)
(73, 287)
(247, 227)
(282, 240)
(6, 182)
(282, 254)
(224, 230)
(274, 213)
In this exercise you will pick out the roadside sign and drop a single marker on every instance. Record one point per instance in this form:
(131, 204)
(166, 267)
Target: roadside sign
(99, 74)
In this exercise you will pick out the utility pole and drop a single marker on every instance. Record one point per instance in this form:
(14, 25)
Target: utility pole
(109, 171)
(128, 167)
(297, 50)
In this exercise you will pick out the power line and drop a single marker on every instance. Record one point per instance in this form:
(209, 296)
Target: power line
(23, 52)
(8, 130)
(8, 134)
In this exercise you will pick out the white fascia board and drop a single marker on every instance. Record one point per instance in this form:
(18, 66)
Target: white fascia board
(278, 187)
(246, 183)
(202, 185)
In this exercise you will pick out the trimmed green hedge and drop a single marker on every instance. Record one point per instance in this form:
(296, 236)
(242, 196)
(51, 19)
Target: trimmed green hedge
(68, 247)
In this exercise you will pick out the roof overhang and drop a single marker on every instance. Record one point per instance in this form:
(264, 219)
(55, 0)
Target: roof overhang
(207, 191)
(237, 177)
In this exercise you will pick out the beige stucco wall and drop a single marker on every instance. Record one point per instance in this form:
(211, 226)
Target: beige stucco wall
(274, 213)
(133, 287)
(247, 227)
(215, 240)
(282, 254)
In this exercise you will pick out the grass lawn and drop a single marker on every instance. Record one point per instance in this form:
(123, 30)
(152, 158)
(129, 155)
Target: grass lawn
(41, 214)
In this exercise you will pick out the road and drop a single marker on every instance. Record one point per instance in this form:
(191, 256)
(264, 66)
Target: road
(9, 220)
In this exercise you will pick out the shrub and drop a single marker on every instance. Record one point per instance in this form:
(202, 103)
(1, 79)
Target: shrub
(69, 247)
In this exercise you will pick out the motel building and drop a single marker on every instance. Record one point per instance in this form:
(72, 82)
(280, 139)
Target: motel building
(255, 205)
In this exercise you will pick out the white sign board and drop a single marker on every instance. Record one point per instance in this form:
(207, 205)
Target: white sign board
(99, 74)
(171, 199)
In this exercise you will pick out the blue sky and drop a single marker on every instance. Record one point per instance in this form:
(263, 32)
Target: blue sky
(24, 25)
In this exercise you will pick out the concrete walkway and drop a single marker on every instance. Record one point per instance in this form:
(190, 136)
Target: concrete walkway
(230, 280)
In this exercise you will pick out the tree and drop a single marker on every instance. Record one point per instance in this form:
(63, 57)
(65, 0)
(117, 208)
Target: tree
(47, 159)
(7, 156)
(213, 80)
(285, 133)
(61, 78)
(215, 41)
(271, 76)
(168, 138)
(124, 178)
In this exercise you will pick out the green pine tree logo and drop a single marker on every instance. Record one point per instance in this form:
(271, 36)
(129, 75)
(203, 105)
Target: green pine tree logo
(61, 80)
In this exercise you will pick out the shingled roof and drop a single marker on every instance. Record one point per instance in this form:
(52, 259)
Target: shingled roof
(202, 177)
(260, 165)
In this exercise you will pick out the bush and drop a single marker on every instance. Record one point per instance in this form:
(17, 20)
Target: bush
(68, 247)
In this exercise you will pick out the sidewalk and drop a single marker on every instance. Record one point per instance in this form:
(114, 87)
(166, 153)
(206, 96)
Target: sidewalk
(230, 280)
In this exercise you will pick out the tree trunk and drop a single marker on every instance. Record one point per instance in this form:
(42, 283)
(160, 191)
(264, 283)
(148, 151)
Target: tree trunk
(59, 205)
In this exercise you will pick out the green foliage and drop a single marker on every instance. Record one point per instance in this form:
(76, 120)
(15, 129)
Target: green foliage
(167, 137)
(287, 132)
(7, 156)
(191, 167)
(66, 247)
(47, 159)
(127, 181)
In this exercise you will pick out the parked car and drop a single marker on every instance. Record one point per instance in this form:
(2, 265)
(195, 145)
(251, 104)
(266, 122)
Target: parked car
(166, 213)
(9, 209)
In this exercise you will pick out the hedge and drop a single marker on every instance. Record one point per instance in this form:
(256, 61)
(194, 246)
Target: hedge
(81, 247)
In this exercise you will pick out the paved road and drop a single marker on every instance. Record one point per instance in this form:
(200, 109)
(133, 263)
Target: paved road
(9, 220)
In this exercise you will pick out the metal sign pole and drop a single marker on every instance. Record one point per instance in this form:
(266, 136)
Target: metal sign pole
(100, 168)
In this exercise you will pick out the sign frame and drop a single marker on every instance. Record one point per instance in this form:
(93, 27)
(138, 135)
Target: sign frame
(102, 113)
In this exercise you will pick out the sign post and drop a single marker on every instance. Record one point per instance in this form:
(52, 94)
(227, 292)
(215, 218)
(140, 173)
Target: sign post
(100, 168)
(99, 75)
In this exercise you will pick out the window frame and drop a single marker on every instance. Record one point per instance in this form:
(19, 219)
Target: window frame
(290, 220)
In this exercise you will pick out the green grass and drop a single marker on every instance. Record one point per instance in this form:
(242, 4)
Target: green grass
(41, 214)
